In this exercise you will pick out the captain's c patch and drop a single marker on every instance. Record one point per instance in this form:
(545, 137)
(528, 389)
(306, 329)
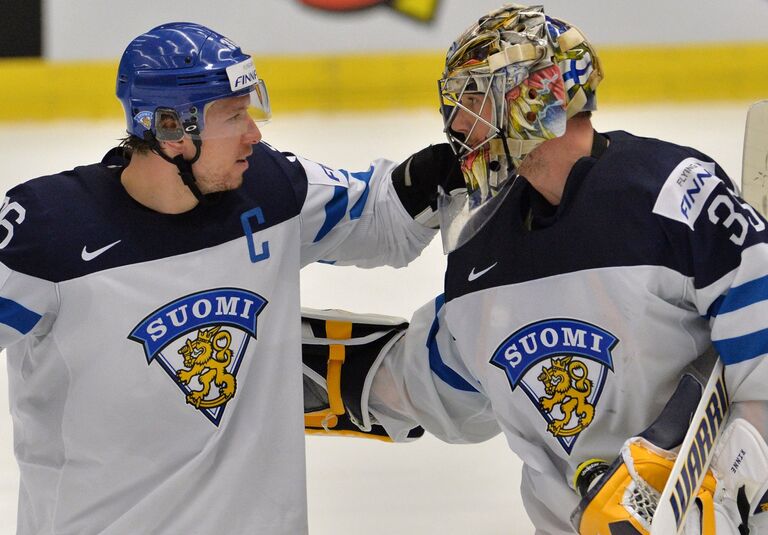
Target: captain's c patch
(199, 340)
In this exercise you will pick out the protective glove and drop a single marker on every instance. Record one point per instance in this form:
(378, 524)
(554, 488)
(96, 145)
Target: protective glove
(417, 178)
(341, 352)
(621, 498)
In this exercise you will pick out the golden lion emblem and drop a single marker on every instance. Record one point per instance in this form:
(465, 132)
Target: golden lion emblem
(207, 357)
(567, 384)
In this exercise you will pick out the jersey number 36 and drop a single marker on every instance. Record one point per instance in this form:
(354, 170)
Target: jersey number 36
(11, 211)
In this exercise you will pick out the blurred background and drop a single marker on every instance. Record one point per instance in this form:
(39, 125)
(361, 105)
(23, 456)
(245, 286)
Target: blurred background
(336, 55)
(350, 81)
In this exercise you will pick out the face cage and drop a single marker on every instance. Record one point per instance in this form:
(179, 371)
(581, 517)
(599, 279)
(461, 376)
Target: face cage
(450, 105)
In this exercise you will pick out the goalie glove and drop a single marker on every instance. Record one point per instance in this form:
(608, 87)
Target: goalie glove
(621, 498)
(341, 352)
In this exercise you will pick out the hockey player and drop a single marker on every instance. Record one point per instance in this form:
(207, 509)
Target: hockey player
(587, 273)
(150, 306)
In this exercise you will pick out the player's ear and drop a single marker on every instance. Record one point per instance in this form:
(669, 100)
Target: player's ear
(184, 147)
(172, 148)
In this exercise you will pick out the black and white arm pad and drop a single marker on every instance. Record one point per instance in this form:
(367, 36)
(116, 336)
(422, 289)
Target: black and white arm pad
(341, 352)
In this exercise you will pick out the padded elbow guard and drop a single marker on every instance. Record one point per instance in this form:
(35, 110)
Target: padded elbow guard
(341, 352)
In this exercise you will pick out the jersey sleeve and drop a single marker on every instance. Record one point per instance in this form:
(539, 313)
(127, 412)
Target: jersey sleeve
(27, 302)
(356, 218)
(722, 244)
(423, 381)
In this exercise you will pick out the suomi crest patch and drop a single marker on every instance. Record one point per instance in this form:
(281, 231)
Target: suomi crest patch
(574, 358)
(199, 340)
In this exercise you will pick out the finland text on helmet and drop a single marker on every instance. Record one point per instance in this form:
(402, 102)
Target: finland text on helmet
(510, 82)
(168, 75)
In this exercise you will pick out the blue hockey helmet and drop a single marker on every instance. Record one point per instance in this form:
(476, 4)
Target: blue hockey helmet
(174, 70)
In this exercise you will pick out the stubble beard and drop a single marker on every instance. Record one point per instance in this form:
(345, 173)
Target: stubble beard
(214, 183)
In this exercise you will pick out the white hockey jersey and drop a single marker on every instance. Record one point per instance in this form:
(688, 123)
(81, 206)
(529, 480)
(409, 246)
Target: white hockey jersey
(154, 359)
(569, 338)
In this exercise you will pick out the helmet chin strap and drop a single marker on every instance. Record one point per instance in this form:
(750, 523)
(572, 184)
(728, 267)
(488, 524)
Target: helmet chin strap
(184, 166)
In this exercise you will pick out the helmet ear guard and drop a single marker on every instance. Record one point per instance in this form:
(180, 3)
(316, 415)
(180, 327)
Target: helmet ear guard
(167, 125)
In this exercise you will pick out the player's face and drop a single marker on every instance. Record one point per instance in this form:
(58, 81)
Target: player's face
(466, 122)
(228, 136)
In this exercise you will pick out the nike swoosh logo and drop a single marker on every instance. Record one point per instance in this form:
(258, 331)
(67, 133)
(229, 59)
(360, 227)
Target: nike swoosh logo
(472, 275)
(90, 255)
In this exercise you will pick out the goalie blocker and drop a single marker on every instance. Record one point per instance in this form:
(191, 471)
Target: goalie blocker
(341, 352)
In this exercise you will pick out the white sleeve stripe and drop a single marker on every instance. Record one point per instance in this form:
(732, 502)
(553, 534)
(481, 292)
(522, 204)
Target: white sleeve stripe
(739, 297)
(754, 266)
(741, 348)
(748, 319)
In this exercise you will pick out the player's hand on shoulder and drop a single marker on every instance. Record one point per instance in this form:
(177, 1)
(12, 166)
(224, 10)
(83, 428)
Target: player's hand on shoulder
(417, 179)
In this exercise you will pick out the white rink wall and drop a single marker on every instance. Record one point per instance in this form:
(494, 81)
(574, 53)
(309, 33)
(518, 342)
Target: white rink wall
(356, 486)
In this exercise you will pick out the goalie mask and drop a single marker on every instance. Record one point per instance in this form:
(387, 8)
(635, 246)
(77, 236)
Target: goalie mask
(510, 83)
